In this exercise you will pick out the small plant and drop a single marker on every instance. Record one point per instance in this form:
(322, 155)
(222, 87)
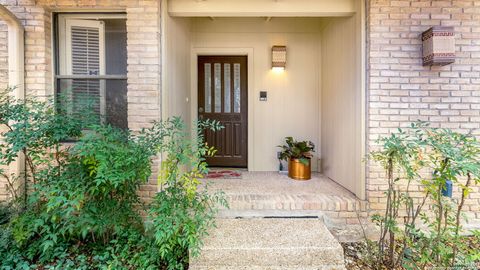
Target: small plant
(455, 157)
(297, 150)
(428, 158)
(400, 158)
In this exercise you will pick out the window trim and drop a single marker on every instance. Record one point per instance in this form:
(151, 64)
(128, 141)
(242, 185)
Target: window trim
(59, 41)
(58, 28)
(92, 77)
(60, 35)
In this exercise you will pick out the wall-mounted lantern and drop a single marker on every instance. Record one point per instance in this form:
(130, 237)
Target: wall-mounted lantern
(279, 57)
(438, 46)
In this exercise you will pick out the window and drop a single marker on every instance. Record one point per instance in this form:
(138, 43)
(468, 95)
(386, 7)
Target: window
(92, 62)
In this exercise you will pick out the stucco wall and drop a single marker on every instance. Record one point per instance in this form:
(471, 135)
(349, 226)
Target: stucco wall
(340, 106)
(177, 72)
(401, 90)
(292, 108)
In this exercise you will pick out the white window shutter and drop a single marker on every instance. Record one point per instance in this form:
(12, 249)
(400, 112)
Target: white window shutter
(85, 55)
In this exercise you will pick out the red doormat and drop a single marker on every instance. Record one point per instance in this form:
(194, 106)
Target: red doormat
(224, 174)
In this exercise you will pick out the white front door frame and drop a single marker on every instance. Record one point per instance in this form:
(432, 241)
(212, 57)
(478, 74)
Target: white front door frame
(195, 52)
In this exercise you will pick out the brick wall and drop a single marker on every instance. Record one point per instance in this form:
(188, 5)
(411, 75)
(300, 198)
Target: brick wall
(3, 56)
(37, 23)
(143, 52)
(401, 90)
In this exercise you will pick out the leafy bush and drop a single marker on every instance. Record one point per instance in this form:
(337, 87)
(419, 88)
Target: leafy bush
(426, 237)
(90, 197)
(83, 208)
(36, 130)
(180, 214)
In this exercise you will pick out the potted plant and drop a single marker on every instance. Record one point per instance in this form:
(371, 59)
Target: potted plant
(298, 155)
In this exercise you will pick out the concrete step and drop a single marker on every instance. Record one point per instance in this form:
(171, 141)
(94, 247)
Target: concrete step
(320, 202)
(327, 267)
(270, 243)
(274, 191)
(269, 213)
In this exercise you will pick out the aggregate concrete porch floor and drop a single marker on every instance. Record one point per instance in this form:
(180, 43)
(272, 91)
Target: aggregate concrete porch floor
(276, 183)
(277, 192)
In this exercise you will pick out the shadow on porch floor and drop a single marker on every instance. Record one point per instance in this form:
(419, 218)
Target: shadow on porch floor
(274, 194)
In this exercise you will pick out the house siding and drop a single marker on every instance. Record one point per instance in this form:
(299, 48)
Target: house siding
(3, 56)
(3, 85)
(143, 52)
(401, 90)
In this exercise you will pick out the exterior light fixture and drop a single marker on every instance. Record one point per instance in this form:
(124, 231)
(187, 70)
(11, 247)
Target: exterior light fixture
(279, 57)
(438, 46)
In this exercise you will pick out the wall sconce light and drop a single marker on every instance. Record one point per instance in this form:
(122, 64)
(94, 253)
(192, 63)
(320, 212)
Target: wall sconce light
(438, 46)
(279, 57)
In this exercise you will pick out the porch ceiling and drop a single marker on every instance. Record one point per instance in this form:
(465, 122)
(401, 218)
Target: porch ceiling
(261, 8)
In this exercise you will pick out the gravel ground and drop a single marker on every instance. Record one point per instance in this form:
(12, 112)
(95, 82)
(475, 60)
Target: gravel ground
(355, 260)
(353, 255)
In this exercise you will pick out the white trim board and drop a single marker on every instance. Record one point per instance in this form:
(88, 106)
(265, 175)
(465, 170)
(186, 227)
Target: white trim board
(261, 8)
(16, 73)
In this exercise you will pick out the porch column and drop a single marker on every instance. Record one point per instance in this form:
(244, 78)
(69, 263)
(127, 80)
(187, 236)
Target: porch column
(16, 70)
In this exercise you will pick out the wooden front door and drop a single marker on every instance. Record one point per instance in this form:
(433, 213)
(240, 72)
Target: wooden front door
(222, 96)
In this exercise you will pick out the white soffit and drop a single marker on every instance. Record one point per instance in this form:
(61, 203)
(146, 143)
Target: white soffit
(261, 8)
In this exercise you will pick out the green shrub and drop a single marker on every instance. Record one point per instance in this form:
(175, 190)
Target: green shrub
(449, 156)
(83, 209)
(36, 130)
(180, 214)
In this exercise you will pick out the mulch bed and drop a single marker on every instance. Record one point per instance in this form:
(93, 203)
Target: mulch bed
(353, 255)
(355, 258)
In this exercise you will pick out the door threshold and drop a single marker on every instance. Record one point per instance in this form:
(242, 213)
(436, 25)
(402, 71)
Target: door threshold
(229, 168)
